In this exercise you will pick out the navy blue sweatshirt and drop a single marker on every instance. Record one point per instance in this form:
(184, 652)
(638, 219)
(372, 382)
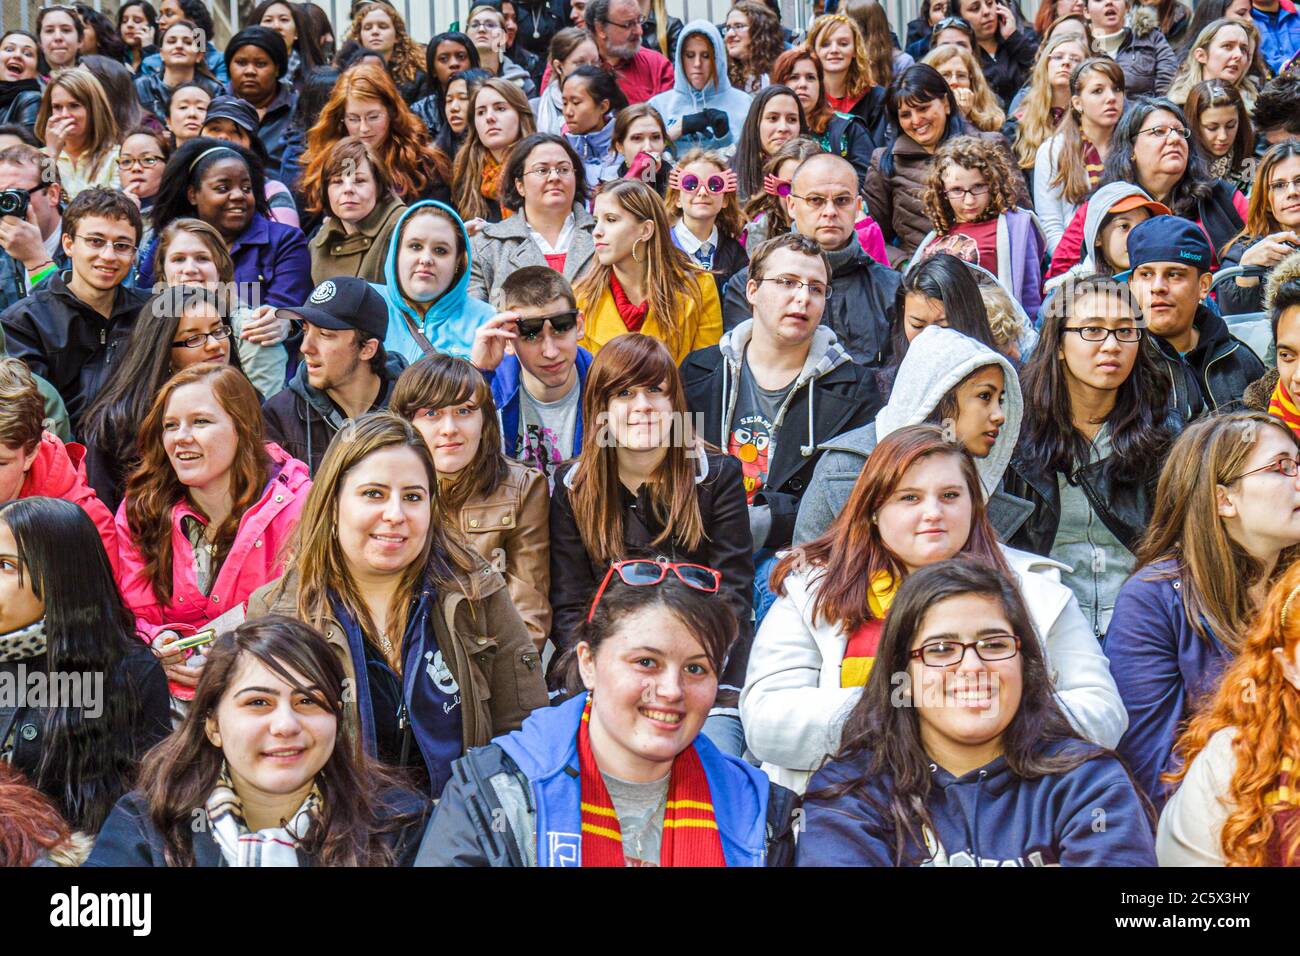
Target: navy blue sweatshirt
(1162, 668)
(1090, 816)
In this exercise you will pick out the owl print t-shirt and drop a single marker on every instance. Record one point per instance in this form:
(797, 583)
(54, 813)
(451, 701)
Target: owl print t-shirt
(751, 437)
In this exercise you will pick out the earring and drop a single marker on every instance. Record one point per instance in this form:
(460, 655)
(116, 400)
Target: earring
(634, 256)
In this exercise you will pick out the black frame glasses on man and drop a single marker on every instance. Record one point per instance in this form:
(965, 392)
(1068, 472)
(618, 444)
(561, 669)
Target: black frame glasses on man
(561, 323)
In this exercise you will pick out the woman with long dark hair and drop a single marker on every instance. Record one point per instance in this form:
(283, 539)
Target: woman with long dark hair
(183, 65)
(446, 55)
(436, 656)
(960, 713)
(1271, 232)
(1150, 148)
(838, 133)
(301, 42)
(275, 679)
(592, 98)
(499, 504)
(137, 24)
(919, 499)
(60, 614)
(570, 48)
(1221, 128)
(1098, 422)
(655, 635)
(775, 117)
(1226, 525)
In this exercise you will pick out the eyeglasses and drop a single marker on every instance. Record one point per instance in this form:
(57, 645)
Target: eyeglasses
(842, 201)
(640, 573)
(815, 289)
(144, 162)
(733, 28)
(489, 26)
(1096, 333)
(1162, 132)
(122, 250)
(776, 187)
(995, 647)
(692, 183)
(1063, 58)
(957, 193)
(1284, 186)
(563, 170)
(630, 24)
(1284, 466)
(198, 339)
(561, 322)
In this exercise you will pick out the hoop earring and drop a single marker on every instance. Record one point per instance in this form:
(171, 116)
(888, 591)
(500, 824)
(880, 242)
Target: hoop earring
(634, 258)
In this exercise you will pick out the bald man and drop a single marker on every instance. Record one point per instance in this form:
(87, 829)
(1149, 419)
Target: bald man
(823, 203)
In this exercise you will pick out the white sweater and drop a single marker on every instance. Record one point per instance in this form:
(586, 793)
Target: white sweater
(793, 707)
(1054, 212)
(1191, 825)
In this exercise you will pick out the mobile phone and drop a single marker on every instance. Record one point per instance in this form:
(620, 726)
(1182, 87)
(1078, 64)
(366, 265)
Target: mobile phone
(194, 640)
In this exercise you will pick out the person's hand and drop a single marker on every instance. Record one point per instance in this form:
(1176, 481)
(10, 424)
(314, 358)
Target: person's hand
(965, 98)
(695, 123)
(263, 328)
(718, 122)
(174, 662)
(1271, 250)
(56, 131)
(1006, 21)
(490, 341)
(132, 196)
(22, 240)
(474, 226)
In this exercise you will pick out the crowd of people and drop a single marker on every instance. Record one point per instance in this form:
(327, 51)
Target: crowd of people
(519, 446)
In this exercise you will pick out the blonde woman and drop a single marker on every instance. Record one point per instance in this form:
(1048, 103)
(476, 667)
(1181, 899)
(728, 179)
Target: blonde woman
(1221, 51)
(1041, 112)
(975, 97)
(839, 47)
(80, 134)
(377, 26)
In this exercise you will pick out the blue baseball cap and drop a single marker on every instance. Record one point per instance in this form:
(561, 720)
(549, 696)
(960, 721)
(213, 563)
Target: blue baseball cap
(1168, 239)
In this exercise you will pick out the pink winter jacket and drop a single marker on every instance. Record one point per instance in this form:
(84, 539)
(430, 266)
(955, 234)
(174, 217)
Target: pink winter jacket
(254, 559)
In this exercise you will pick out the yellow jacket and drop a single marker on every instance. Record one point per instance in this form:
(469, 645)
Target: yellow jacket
(701, 328)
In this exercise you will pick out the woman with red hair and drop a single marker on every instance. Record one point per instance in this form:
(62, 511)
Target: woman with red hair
(366, 104)
(1236, 805)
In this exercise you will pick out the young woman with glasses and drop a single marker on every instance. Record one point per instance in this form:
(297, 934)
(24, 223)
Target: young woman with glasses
(650, 788)
(957, 752)
(1098, 422)
(919, 499)
(1271, 233)
(1225, 526)
(545, 185)
(435, 654)
(643, 485)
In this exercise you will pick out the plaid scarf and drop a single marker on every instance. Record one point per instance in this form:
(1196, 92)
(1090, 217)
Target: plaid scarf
(690, 831)
(1281, 406)
(240, 846)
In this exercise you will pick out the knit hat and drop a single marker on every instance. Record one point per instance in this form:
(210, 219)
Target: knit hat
(265, 38)
(240, 112)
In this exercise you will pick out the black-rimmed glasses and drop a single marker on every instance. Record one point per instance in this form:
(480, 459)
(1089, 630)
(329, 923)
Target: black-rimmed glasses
(1099, 333)
(200, 338)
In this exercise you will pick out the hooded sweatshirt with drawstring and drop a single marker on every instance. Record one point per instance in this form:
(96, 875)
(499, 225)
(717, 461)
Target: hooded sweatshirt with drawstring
(831, 394)
(1098, 208)
(452, 319)
(683, 99)
(987, 817)
(937, 361)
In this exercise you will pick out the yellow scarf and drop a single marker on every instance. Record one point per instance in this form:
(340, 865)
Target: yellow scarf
(860, 649)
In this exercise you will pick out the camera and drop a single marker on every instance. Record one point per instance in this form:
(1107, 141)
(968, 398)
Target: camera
(13, 202)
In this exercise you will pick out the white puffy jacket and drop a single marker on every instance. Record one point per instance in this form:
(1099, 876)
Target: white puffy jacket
(793, 707)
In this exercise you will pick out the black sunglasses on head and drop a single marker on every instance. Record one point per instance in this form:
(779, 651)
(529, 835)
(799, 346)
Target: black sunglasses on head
(561, 322)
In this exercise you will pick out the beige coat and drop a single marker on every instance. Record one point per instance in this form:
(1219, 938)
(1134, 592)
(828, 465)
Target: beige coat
(362, 254)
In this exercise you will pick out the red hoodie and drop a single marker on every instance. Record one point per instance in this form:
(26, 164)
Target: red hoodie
(59, 472)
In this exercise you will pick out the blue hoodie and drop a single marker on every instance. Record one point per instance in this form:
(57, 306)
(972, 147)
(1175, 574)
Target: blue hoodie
(545, 749)
(1090, 816)
(683, 100)
(506, 384)
(1163, 669)
(451, 321)
(596, 149)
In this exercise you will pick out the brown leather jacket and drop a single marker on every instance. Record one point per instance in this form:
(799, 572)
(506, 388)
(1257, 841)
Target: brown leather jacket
(510, 528)
(484, 642)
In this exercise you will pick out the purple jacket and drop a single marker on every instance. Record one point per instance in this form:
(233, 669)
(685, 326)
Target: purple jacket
(272, 264)
(1020, 257)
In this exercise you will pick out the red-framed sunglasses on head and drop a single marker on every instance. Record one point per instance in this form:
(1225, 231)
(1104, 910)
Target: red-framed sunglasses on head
(643, 572)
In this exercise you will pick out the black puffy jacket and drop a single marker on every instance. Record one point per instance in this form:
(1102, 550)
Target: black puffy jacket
(1008, 69)
(1214, 375)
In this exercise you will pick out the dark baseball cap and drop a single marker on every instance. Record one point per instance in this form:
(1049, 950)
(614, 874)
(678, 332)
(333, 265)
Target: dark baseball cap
(1169, 239)
(238, 111)
(343, 303)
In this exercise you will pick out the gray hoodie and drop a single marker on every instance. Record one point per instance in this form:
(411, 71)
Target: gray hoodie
(937, 361)
(1099, 206)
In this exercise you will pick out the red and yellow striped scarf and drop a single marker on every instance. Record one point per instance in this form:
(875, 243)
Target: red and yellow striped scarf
(1282, 803)
(860, 648)
(1281, 406)
(690, 830)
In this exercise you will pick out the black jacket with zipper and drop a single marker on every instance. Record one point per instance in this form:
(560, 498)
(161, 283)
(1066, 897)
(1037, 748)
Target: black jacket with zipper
(304, 420)
(1214, 375)
(68, 343)
(727, 547)
(823, 404)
